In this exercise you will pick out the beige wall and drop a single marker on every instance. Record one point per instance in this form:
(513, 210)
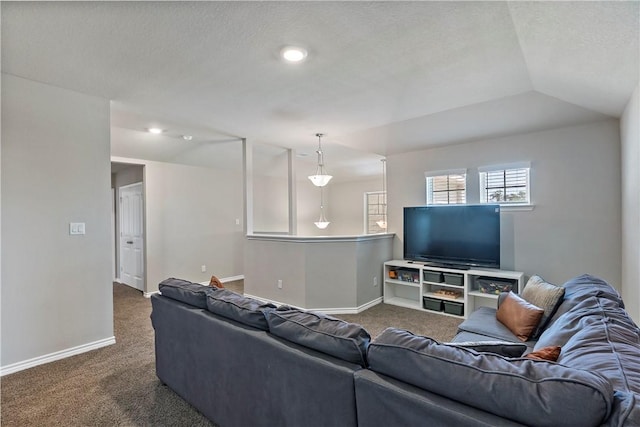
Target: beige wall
(630, 137)
(56, 288)
(575, 226)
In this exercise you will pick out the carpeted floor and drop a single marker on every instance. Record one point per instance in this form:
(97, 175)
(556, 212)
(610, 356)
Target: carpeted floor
(117, 385)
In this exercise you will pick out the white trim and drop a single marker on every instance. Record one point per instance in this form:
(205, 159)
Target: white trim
(431, 174)
(333, 310)
(148, 294)
(516, 208)
(51, 357)
(232, 278)
(505, 166)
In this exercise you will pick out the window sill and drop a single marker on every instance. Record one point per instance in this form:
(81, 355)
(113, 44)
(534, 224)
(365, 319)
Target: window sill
(516, 208)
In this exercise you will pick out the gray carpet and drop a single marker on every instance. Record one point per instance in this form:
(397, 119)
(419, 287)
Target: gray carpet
(117, 385)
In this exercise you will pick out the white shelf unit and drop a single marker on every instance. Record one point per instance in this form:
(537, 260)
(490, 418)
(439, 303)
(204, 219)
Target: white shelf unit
(449, 291)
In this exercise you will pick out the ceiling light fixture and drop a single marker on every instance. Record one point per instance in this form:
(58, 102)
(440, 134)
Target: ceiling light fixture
(293, 54)
(383, 222)
(156, 131)
(321, 178)
(187, 137)
(322, 223)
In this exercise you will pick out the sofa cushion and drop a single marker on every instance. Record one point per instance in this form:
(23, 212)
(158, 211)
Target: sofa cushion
(347, 341)
(503, 348)
(519, 316)
(545, 295)
(610, 348)
(185, 291)
(237, 307)
(524, 390)
(585, 313)
(483, 325)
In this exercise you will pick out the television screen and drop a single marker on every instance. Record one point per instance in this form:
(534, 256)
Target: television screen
(456, 235)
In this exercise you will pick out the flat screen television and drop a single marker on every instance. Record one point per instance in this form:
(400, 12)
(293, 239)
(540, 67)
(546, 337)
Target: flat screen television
(462, 236)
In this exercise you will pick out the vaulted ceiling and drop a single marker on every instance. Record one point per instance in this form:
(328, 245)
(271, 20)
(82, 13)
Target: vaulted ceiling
(380, 77)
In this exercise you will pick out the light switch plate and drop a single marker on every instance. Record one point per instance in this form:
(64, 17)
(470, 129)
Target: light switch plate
(76, 228)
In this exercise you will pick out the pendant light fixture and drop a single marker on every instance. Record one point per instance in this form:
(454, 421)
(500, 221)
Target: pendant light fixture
(383, 222)
(321, 178)
(322, 223)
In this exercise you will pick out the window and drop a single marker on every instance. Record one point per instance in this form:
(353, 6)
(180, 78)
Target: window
(446, 187)
(375, 205)
(506, 185)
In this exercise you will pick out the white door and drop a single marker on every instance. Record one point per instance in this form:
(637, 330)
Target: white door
(131, 236)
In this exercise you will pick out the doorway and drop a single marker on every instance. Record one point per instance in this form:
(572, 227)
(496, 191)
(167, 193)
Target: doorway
(129, 246)
(131, 239)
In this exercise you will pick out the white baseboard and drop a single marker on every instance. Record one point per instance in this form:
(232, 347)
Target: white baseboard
(226, 279)
(148, 294)
(51, 357)
(333, 310)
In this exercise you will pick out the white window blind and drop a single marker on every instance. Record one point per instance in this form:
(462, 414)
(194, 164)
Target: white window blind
(506, 185)
(446, 187)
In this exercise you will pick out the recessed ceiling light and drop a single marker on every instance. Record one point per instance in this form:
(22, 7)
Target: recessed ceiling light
(157, 131)
(187, 137)
(293, 54)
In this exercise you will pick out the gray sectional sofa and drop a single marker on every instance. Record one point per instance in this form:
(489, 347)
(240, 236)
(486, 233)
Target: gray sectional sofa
(245, 363)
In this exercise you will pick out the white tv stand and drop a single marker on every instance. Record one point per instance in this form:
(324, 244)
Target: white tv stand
(448, 291)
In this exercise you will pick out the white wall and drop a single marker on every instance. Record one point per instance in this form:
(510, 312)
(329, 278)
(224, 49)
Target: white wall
(630, 137)
(190, 215)
(575, 226)
(56, 288)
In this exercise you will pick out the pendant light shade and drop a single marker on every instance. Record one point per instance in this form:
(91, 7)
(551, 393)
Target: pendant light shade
(321, 177)
(383, 222)
(322, 223)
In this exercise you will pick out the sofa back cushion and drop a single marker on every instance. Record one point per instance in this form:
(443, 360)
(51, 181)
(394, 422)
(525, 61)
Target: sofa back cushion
(347, 341)
(545, 295)
(527, 391)
(185, 291)
(231, 305)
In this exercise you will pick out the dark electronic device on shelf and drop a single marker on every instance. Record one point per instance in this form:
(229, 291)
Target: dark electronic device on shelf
(460, 236)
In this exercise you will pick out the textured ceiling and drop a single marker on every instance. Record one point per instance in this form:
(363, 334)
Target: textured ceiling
(381, 77)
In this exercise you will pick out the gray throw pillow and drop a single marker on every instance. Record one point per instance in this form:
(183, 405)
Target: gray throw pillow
(188, 292)
(344, 340)
(545, 295)
(531, 392)
(245, 310)
(502, 348)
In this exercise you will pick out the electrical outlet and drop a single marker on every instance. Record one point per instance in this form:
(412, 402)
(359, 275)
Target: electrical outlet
(375, 281)
(279, 284)
(203, 268)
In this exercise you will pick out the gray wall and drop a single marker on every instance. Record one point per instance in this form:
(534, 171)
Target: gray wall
(190, 215)
(575, 184)
(630, 137)
(56, 288)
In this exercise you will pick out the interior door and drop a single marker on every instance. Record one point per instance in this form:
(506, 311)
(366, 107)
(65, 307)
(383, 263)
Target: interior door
(131, 236)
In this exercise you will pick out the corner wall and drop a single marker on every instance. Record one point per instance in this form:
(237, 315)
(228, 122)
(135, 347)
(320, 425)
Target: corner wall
(56, 288)
(575, 226)
(630, 137)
